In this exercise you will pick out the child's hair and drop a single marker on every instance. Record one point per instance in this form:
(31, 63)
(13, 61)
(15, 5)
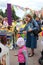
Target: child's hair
(20, 42)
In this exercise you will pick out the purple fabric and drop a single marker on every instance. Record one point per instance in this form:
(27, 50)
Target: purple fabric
(9, 14)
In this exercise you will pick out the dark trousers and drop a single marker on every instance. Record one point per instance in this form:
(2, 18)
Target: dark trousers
(3, 39)
(21, 63)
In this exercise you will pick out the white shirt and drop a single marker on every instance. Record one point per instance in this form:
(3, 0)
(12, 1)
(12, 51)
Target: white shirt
(5, 24)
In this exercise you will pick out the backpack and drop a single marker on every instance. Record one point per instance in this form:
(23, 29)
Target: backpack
(38, 30)
(39, 24)
(35, 32)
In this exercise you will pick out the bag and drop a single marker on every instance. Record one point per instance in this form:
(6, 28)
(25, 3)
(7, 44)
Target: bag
(36, 32)
(39, 24)
(41, 58)
(40, 61)
(39, 30)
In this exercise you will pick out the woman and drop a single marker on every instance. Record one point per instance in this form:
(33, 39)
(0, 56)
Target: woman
(31, 41)
(5, 22)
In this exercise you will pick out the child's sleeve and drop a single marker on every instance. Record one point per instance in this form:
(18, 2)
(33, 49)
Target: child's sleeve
(26, 56)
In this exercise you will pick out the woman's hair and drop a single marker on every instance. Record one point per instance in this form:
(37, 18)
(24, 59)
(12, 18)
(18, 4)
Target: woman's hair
(28, 15)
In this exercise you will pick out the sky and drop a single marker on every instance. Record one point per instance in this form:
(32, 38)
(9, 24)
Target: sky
(33, 4)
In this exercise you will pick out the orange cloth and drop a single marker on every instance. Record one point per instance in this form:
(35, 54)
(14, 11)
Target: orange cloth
(40, 34)
(18, 35)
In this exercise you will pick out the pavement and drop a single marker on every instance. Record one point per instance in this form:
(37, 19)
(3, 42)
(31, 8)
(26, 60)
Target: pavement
(31, 60)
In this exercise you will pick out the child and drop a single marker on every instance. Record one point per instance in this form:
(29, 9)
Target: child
(22, 52)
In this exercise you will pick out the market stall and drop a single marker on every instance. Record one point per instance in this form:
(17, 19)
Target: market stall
(6, 36)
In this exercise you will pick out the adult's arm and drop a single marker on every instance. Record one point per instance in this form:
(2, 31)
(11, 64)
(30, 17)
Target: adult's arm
(26, 56)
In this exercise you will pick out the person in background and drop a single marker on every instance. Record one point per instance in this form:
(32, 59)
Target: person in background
(22, 26)
(22, 52)
(3, 38)
(13, 24)
(5, 22)
(38, 20)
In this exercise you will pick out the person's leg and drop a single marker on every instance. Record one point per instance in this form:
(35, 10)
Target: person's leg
(21, 63)
(31, 53)
(33, 45)
(32, 50)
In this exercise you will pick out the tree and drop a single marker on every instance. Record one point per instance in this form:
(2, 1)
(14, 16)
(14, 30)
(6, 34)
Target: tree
(1, 12)
(4, 14)
(14, 17)
(14, 14)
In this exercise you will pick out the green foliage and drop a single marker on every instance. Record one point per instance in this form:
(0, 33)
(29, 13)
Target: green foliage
(1, 12)
(4, 14)
(14, 14)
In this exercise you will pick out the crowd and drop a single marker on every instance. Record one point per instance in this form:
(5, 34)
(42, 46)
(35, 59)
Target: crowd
(31, 30)
(4, 28)
(25, 34)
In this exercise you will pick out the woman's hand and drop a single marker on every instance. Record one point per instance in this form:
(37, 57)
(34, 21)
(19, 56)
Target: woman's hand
(24, 32)
(30, 30)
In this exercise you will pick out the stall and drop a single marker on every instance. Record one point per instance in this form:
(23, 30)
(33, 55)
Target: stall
(6, 36)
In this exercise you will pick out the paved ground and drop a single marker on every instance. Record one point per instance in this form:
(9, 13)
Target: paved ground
(32, 60)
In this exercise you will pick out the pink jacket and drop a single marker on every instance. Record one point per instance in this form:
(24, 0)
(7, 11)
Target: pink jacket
(21, 57)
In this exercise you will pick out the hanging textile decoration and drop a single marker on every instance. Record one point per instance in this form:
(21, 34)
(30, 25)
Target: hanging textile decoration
(22, 8)
(9, 14)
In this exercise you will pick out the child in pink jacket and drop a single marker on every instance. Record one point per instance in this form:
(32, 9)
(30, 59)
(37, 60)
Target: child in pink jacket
(22, 52)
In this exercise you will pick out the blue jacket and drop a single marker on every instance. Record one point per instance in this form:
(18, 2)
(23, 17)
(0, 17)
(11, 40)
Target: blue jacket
(32, 24)
(31, 40)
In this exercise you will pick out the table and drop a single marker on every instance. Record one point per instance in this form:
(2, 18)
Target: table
(4, 35)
